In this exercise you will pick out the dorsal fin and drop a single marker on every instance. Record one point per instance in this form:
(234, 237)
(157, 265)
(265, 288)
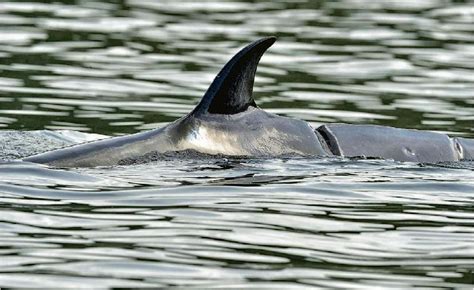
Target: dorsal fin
(231, 90)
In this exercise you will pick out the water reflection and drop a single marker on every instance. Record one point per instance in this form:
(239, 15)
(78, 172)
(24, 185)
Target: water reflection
(316, 222)
(166, 53)
(117, 67)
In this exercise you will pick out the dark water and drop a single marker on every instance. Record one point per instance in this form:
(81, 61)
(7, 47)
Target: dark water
(73, 68)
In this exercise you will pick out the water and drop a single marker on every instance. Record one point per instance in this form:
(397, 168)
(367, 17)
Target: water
(74, 69)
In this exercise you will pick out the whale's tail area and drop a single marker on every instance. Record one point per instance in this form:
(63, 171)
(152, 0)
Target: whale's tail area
(231, 91)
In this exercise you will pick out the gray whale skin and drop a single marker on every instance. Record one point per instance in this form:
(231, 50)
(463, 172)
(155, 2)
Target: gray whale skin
(227, 121)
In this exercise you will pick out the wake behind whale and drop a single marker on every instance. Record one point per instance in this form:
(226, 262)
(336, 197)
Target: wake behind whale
(227, 121)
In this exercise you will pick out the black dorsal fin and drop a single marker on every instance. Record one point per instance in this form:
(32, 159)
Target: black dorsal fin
(231, 90)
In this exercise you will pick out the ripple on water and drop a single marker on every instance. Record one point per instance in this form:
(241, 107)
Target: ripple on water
(116, 68)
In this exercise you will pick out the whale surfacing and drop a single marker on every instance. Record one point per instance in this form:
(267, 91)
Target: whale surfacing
(227, 121)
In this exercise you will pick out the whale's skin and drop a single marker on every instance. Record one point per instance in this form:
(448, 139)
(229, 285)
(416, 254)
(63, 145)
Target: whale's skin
(399, 144)
(227, 121)
(106, 152)
(250, 133)
(466, 147)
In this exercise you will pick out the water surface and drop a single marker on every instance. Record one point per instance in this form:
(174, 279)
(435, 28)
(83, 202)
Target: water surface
(77, 70)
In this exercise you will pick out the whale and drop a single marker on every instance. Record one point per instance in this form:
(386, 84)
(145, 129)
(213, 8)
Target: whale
(227, 121)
